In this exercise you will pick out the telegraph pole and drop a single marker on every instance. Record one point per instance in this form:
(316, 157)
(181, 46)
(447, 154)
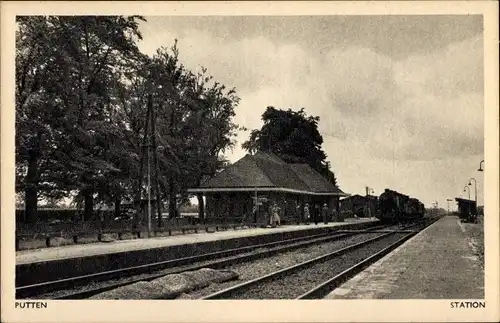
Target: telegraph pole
(149, 141)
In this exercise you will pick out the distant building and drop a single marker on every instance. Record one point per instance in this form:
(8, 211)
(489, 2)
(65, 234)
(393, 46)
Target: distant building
(466, 207)
(231, 193)
(362, 206)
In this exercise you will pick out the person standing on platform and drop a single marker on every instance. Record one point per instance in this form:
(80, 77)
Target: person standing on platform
(316, 213)
(298, 214)
(277, 219)
(270, 212)
(254, 213)
(324, 213)
(307, 214)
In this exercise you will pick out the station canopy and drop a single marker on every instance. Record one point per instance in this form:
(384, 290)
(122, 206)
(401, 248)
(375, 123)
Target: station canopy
(265, 172)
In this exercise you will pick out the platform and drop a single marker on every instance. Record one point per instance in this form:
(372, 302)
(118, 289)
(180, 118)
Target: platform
(84, 250)
(33, 266)
(438, 263)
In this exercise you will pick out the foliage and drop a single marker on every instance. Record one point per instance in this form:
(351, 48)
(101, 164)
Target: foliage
(294, 137)
(68, 68)
(82, 87)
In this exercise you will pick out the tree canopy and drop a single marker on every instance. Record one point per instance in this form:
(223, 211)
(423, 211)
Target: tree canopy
(82, 88)
(294, 137)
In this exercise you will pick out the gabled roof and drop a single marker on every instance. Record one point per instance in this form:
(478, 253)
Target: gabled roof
(245, 172)
(279, 172)
(267, 172)
(314, 180)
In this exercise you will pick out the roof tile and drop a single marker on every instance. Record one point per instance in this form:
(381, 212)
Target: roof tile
(267, 170)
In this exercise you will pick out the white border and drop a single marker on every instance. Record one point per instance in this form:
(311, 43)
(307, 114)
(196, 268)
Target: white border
(245, 311)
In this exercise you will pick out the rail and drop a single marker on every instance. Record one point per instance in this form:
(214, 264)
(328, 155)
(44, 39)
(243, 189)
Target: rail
(223, 258)
(296, 274)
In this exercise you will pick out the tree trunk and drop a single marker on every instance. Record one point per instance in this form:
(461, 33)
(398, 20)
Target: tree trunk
(172, 200)
(31, 192)
(156, 166)
(201, 207)
(138, 193)
(118, 212)
(88, 210)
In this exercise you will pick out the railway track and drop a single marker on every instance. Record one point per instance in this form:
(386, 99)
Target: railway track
(82, 287)
(313, 279)
(85, 286)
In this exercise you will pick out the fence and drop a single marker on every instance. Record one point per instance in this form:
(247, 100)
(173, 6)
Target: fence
(46, 234)
(71, 232)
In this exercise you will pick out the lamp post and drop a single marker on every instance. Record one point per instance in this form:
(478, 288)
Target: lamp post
(480, 169)
(475, 188)
(158, 149)
(148, 145)
(368, 202)
(468, 189)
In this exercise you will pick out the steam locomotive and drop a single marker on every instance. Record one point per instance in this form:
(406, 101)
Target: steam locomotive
(394, 207)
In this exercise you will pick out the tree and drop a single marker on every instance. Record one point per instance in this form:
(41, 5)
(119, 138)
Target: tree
(34, 111)
(294, 137)
(193, 115)
(208, 129)
(67, 71)
(82, 93)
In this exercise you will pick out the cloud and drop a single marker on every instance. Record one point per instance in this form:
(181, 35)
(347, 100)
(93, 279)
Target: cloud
(422, 107)
(442, 108)
(451, 71)
(391, 115)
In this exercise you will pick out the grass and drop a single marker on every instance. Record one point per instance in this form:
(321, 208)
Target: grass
(475, 235)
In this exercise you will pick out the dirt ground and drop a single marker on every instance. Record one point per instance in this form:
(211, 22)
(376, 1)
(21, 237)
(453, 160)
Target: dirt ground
(475, 237)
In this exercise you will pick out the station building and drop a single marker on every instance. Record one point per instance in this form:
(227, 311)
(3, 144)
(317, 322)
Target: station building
(466, 207)
(263, 177)
(362, 206)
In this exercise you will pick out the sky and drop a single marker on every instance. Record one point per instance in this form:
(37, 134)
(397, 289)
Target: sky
(400, 98)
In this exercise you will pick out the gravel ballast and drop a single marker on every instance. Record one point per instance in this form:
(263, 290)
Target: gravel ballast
(169, 286)
(257, 268)
(246, 271)
(290, 286)
(116, 283)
